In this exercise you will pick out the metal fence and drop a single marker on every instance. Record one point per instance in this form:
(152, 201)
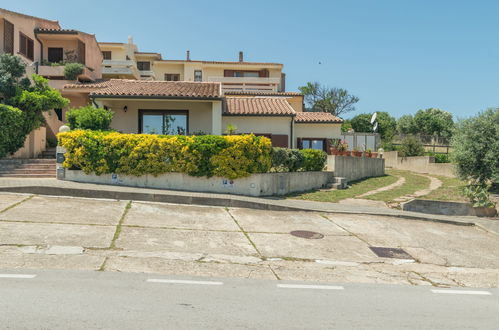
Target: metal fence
(435, 144)
(362, 141)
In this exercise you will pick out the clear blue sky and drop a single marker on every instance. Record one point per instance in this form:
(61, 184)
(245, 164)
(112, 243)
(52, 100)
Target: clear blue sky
(397, 56)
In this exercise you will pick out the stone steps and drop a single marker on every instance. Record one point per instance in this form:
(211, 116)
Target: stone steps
(28, 168)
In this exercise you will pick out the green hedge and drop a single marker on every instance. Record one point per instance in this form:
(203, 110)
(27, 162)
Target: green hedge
(292, 160)
(138, 154)
(12, 129)
(89, 118)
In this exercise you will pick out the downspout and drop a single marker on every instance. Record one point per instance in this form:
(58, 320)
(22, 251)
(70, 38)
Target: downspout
(291, 131)
(41, 53)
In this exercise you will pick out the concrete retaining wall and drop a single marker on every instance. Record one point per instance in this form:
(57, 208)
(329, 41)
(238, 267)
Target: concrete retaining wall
(262, 184)
(445, 208)
(419, 164)
(355, 168)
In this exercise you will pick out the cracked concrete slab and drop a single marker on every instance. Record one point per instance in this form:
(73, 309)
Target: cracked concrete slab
(55, 234)
(341, 248)
(157, 239)
(284, 222)
(17, 260)
(182, 267)
(7, 200)
(67, 210)
(185, 217)
(457, 245)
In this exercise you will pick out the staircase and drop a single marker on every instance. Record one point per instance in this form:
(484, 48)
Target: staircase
(42, 167)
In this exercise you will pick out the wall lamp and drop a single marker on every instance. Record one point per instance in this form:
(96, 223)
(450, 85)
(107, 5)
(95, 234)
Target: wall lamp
(125, 108)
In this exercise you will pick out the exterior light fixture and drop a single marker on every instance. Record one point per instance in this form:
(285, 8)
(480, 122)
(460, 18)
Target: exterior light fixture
(125, 108)
(380, 152)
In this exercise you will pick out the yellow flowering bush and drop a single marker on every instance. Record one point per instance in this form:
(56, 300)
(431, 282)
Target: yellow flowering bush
(138, 154)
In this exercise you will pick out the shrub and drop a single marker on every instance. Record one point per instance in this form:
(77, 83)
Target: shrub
(12, 133)
(313, 160)
(475, 146)
(89, 118)
(478, 194)
(286, 160)
(73, 70)
(442, 158)
(138, 154)
(411, 146)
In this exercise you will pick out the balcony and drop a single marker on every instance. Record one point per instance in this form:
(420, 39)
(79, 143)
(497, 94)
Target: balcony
(147, 75)
(248, 84)
(56, 73)
(120, 69)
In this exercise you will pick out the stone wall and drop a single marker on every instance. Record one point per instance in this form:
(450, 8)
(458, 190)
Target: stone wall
(355, 168)
(419, 164)
(261, 184)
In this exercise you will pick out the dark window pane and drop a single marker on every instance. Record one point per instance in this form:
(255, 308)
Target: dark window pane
(55, 55)
(106, 55)
(152, 124)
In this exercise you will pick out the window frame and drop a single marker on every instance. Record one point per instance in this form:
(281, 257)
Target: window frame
(324, 143)
(200, 78)
(8, 33)
(141, 63)
(143, 112)
(27, 44)
(106, 52)
(177, 75)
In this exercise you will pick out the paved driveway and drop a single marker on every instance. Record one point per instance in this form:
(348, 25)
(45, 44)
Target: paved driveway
(107, 235)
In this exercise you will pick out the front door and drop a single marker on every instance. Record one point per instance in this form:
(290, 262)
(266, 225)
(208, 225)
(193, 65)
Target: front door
(166, 122)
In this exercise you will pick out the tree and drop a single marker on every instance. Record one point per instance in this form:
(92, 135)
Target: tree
(434, 122)
(336, 101)
(411, 146)
(89, 117)
(475, 146)
(387, 124)
(346, 125)
(31, 97)
(405, 125)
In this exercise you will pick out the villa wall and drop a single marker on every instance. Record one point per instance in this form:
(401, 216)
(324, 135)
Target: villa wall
(355, 168)
(419, 164)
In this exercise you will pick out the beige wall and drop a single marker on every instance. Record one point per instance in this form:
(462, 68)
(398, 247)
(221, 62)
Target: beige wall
(418, 164)
(318, 131)
(160, 68)
(259, 125)
(200, 113)
(118, 52)
(33, 145)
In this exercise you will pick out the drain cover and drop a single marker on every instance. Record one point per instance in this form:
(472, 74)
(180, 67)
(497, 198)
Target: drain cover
(307, 234)
(395, 253)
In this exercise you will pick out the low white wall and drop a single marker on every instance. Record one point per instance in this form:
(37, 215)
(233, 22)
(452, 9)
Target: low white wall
(355, 168)
(418, 164)
(261, 184)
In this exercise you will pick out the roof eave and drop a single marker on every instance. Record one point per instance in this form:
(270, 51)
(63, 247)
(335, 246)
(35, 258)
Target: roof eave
(155, 97)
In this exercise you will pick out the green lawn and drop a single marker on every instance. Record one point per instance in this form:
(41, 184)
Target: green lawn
(451, 190)
(357, 188)
(413, 182)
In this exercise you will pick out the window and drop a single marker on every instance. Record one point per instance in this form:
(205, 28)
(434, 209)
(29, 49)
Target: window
(172, 76)
(58, 112)
(243, 73)
(144, 66)
(198, 75)
(8, 37)
(318, 144)
(106, 55)
(55, 55)
(173, 122)
(26, 46)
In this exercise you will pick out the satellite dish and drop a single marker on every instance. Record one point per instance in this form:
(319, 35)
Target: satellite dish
(373, 118)
(375, 127)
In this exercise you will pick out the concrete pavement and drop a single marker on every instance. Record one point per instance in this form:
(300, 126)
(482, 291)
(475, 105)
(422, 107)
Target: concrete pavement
(96, 300)
(43, 232)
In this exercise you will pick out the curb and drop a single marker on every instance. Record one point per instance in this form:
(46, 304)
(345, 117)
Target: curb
(207, 201)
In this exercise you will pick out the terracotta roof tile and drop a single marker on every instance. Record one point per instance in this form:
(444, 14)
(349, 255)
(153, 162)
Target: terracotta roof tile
(61, 31)
(124, 87)
(316, 117)
(258, 106)
(264, 93)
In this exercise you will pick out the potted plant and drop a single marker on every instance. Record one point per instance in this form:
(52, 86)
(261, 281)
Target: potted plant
(356, 152)
(369, 153)
(342, 148)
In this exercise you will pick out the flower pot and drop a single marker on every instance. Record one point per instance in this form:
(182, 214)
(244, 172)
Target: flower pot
(488, 212)
(347, 153)
(374, 155)
(335, 151)
(357, 153)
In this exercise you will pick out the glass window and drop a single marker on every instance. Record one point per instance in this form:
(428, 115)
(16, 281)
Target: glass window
(318, 144)
(172, 76)
(251, 74)
(164, 122)
(306, 144)
(198, 75)
(144, 66)
(106, 55)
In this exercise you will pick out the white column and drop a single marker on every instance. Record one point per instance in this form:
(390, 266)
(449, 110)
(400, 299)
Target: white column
(216, 118)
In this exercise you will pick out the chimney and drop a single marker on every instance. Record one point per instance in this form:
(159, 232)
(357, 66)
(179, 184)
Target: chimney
(241, 57)
(130, 40)
(188, 55)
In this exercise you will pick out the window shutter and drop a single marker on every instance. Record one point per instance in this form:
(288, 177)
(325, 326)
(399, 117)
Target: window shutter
(8, 37)
(31, 49)
(228, 73)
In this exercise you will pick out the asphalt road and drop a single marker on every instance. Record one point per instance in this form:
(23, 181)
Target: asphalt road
(105, 300)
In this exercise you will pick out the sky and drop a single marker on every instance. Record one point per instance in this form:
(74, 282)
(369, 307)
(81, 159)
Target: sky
(396, 56)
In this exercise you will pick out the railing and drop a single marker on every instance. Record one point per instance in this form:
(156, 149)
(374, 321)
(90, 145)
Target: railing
(147, 74)
(125, 63)
(249, 88)
(241, 80)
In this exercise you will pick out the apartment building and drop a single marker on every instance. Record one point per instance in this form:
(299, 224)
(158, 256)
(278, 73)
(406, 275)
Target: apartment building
(123, 60)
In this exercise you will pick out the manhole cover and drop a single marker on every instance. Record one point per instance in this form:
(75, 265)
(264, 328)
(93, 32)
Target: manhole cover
(307, 234)
(395, 253)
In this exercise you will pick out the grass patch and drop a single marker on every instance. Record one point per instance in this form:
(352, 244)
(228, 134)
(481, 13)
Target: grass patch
(413, 183)
(451, 190)
(119, 226)
(356, 188)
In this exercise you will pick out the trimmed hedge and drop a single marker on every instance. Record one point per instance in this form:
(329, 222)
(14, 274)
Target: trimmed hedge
(12, 132)
(89, 117)
(292, 160)
(138, 154)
